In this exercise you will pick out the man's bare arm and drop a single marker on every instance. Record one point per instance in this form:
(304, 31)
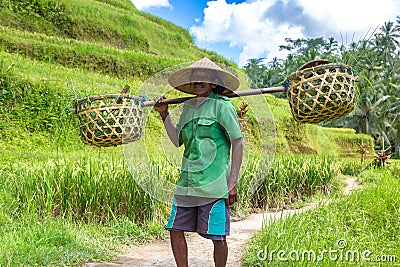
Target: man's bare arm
(236, 162)
(168, 124)
(171, 129)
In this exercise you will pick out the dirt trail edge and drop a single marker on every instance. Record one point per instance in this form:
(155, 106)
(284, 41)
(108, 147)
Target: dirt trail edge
(201, 250)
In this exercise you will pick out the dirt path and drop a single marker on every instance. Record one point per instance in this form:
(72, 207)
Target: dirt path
(351, 185)
(200, 250)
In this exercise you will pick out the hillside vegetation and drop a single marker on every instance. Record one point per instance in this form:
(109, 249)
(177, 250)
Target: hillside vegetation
(107, 37)
(54, 52)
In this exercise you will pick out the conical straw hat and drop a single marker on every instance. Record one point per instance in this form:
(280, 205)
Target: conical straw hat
(183, 79)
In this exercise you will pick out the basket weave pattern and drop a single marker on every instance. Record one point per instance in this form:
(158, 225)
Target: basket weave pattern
(321, 93)
(103, 122)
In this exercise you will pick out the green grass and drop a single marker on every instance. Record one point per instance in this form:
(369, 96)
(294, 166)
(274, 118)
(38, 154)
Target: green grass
(55, 241)
(64, 209)
(84, 54)
(294, 178)
(63, 79)
(98, 185)
(300, 138)
(94, 186)
(365, 222)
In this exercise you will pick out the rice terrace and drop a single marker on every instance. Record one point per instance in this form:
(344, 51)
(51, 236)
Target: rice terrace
(87, 172)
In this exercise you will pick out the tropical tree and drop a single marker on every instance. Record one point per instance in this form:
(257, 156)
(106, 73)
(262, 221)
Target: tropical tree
(255, 70)
(393, 125)
(305, 50)
(265, 75)
(387, 43)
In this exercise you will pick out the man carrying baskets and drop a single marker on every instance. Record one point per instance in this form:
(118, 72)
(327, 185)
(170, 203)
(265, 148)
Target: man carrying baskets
(210, 132)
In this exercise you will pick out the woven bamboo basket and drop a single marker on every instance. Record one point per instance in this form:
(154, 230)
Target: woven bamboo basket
(321, 91)
(110, 120)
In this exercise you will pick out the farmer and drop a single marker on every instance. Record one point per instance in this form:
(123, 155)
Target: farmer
(209, 130)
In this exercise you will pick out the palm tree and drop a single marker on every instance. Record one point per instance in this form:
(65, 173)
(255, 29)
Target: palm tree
(386, 42)
(330, 48)
(255, 70)
(393, 125)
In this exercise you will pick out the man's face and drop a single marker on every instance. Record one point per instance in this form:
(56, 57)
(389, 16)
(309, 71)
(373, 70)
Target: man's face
(202, 88)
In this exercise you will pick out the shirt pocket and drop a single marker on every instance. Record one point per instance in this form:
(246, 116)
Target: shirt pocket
(207, 128)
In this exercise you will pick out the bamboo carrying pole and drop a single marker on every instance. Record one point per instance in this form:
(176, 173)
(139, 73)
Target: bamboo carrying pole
(258, 91)
(170, 101)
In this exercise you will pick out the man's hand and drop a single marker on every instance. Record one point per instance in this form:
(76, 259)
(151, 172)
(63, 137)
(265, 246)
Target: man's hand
(232, 196)
(158, 107)
(162, 109)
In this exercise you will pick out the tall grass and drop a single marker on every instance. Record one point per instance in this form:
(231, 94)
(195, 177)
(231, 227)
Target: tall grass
(352, 166)
(65, 209)
(87, 188)
(293, 178)
(98, 186)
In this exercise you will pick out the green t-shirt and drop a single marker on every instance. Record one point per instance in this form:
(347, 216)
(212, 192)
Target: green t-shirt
(206, 131)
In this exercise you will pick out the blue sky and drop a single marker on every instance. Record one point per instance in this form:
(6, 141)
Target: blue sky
(240, 30)
(181, 12)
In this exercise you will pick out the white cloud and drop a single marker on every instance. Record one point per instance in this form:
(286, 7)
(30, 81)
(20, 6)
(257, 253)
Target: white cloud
(143, 4)
(351, 15)
(258, 27)
(243, 25)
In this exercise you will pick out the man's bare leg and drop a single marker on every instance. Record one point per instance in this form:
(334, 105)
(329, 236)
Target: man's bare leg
(220, 253)
(179, 248)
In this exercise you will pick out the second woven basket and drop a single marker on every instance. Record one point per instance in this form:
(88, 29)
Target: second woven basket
(321, 92)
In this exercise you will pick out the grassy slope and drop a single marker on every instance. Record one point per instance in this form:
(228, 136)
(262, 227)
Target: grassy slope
(71, 49)
(298, 138)
(97, 36)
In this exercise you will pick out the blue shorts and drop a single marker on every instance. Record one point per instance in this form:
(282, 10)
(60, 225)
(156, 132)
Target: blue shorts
(210, 220)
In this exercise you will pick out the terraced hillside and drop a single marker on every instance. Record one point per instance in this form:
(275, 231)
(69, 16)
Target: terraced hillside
(54, 52)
